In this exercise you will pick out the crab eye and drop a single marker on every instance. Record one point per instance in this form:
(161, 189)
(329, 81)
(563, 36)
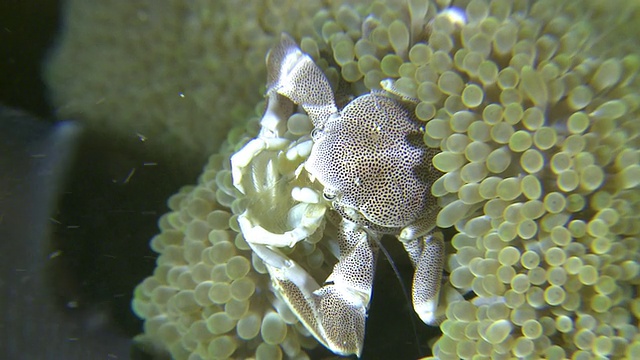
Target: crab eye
(315, 133)
(328, 196)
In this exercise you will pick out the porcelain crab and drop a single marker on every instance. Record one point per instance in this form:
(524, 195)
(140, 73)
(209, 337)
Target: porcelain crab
(365, 168)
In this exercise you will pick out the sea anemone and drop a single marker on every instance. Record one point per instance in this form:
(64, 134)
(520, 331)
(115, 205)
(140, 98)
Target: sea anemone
(535, 108)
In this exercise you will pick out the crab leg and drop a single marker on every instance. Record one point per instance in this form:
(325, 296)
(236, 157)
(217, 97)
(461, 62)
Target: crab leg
(293, 74)
(427, 256)
(336, 312)
(292, 77)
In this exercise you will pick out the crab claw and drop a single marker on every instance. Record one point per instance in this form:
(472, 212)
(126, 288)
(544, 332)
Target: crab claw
(335, 313)
(293, 74)
(427, 255)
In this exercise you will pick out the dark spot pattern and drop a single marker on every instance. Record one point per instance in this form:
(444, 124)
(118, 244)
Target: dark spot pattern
(373, 157)
(293, 74)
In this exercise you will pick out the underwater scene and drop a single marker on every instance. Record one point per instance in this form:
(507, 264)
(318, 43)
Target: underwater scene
(386, 179)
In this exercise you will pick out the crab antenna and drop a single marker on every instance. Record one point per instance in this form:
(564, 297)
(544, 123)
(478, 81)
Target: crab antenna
(293, 74)
(405, 292)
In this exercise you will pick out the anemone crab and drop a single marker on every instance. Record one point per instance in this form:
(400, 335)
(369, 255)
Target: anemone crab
(369, 173)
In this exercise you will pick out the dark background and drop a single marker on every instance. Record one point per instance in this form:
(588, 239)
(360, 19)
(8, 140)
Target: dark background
(27, 28)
